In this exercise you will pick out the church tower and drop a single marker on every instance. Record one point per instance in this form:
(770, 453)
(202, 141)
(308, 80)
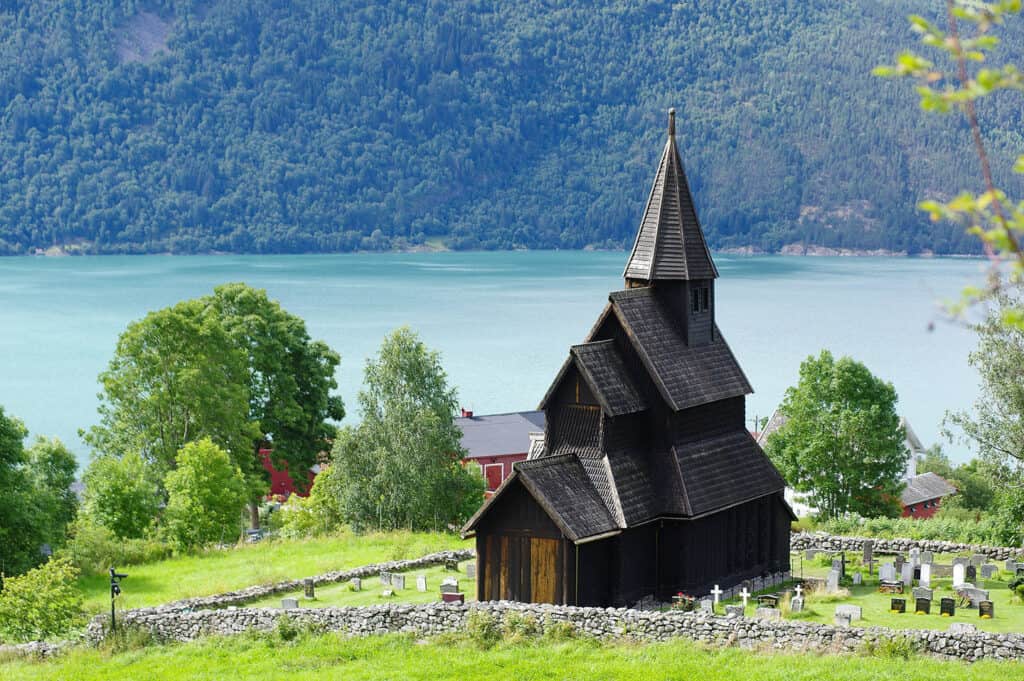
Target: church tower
(670, 253)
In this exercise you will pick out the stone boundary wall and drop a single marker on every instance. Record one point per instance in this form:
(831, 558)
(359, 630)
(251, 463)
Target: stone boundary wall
(827, 542)
(254, 593)
(602, 623)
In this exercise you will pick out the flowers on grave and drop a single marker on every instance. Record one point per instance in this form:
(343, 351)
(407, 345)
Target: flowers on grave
(684, 602)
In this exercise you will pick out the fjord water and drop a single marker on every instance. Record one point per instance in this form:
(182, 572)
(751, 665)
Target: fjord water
(503, 321)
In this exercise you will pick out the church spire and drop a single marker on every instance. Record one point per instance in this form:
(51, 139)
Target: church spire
(670, 243)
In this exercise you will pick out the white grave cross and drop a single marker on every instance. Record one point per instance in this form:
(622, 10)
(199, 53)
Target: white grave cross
(744, 595)
(799, 591)
(716, 592)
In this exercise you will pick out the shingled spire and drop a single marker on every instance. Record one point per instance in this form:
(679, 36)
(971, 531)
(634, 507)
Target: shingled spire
(670, 243)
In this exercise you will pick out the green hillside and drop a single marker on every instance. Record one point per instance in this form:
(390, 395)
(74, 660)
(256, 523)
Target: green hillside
(332, 125)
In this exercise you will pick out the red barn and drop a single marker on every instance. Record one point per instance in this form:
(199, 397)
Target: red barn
(281, 483)
(923, 495)
(496, 442)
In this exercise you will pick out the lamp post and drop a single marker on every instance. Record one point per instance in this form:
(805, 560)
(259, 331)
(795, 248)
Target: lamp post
(115, 591)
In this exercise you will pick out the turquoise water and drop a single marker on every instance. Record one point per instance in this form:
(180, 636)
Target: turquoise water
(503, 321)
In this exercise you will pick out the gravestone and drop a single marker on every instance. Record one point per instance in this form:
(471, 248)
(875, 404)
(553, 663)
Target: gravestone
(449, 585)
(885, 587)
(356, 584)
(923, 592)
(471, 570)
(734, 611)
(927, 557)
(923, 606)
(421, 583)
(962, 628)
(453, 598)
(768, 600)
(451, 565)
(947, 607)
(832, 582)
(898, 564)
(971, 574)
(797, 604)
(971, 593)
(988, 571)
(960, 560)
(747, 585)
(941, 570)
(1020, 570)
(898, 605)
(385, 578)
(858, 579)
(869, 549)
(977, 560)
(310, 588)
(908, 575)
(840, 564)
(887, 573)
(926, 575)
(958, 574)
(915, 556)
(854, 612)
(387, 593)
(289, 603)
(398, 582)
(1011, 566)
(768, 613)
(842, 620)
(986, 610)
(707, 605)
(810, 554)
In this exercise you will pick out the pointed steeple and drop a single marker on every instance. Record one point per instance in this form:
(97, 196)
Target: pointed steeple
(670, 242)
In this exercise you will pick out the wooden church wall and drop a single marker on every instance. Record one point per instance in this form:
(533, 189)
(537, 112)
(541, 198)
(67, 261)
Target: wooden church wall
(709, 419)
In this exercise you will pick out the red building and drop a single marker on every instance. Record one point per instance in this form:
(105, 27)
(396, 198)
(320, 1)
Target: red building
(496, 442)
(281, 483)
(923, 495)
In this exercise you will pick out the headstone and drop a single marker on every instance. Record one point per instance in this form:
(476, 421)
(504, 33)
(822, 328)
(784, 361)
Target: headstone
(986, 610)
(988, 571)
(898, 605)
(310, 588)
(289, 603)
(716, 592)
(858, 579)
(832, 582)
(453, 598)
(923, 606)
(840, 563)
(707, 605)
(927, 557)
(387, 593)
(971, 593)
(926, 575)
(734, 611)
(887, 573)
(1011, 565)
(842, 620)
(451, 565)
(797, 604)
(947, 607)
(958, 574)
(908, 575)
(1020, 570)
(471, 570)
(977, 560)
(768, 600)
(854, 612)
(421, 583)
(971, 574)
(915, 556)
(942, 571)
(745, 595)
(810, 554)
(869, 550)
(357, 584)
(960, 560)
(385, 578)
(899, 561)
(962, 628)
(769, 613)
(449, 585)
(923, 592)
(398, 582)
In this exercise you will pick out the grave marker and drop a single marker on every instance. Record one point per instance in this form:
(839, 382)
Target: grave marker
(898, 605)
(988, 571)
(908, 575)
(972, 574)
(716, 592)
(385, 578)
(923, 606)
(842, 620)
(310, 588)
(1011, 566)
(915, 556)
(958, 574)
(289, 604)
(926, 575)
(768, 613)
(797, 604)
(832, 582)
(745, 595)
(387, 593)
(947, 607)
(734, 611)
(978, 559)
(449, 585)
(887, 573)
(858, 579)
(927, 557)
(960, 560)
(854, 612)
(398, 582)
(356, 584)
(421, 583)
(986, 610)
(707, 605)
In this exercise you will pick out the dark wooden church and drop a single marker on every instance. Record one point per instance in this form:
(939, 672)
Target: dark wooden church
(648, 483)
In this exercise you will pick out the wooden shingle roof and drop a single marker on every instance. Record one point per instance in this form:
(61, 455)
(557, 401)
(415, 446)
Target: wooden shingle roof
(686, 376)
(925, 487)
(561, 486)
(604, 370)
(670, 243)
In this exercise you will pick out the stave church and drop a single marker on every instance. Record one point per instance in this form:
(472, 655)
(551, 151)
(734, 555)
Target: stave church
(648, 483)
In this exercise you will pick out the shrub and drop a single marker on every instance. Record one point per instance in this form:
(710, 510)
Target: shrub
(482, 629)
(941, 528)
(519, 627)
(206, 493)
(120, 495)
(42, 603)
(560, 631)
(892, 648)
(93, 548)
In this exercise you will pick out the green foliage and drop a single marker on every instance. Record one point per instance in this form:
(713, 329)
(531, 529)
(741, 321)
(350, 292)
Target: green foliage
(120, 495)
(940, 528)
(842, 442)
(51, 469)
(205, 496)
(316, 515)
(973, 481)
(93, 548)
(400, 467)
(483, 629)
(40, 604)
(892, 647)
(315, 125)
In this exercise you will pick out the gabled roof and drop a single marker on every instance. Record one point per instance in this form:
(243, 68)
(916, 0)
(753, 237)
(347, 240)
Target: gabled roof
(604, 371)
(499, 434)
(925, 487)
(670, 243)
(686, 376)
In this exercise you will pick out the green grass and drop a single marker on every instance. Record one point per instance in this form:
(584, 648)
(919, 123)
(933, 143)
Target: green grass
(317, 658)
(268, 561)
(336, 595)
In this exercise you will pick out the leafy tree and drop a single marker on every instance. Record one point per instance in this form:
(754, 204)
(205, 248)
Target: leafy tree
(318, 514)
(121, 495)
(20, 531)
(842, 441)
(42, 603)
(51, 469)
(205, 495)
(400, 467)
(176, 376)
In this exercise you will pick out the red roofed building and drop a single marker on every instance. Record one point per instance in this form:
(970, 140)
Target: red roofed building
(281, 483)
(496, 442)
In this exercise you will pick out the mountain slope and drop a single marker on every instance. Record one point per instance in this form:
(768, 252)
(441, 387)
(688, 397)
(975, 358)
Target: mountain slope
(333, 125)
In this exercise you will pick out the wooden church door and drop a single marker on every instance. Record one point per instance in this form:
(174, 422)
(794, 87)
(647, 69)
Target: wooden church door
(524, 569)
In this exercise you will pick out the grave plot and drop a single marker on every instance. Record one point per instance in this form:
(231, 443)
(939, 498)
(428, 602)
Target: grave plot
(418, 586)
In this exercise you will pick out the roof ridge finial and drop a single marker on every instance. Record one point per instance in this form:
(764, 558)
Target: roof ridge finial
(672, 122)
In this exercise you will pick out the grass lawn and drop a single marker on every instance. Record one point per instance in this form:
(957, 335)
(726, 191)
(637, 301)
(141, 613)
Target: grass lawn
(268, 658)
(338, 594)
(268, 561)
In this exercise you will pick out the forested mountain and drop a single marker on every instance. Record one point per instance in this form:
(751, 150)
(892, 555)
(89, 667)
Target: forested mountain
(332, 125)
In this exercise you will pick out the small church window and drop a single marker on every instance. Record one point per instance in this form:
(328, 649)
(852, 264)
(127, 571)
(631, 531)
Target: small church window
(700, 299)
(705, 299)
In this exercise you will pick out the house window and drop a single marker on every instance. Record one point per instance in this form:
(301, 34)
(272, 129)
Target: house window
(695, 300)
(705, 299)
(700, 299)
(911, 509)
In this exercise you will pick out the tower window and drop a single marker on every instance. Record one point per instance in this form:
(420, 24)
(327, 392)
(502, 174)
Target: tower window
(705, 299)
(695, 300)
(700, 299)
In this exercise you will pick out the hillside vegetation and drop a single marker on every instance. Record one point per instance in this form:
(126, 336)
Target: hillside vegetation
(129, 126)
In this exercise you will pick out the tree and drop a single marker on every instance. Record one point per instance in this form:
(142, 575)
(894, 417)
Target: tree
(206, 493)
(401, 466)
(842, 441)
(121, 494)
(51, 469)
(973, 480)
(43, 602)
(20, 532)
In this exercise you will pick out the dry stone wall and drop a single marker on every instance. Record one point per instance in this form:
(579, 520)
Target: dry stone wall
(826, 542)
(601, 623)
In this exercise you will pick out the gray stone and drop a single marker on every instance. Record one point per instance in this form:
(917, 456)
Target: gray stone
(923, 592)
(887, 573)
(988, 571)
(927, 557)
(858, 579)
(421, 583)
(357, 584)
(309, 587)
(960, 560)
(914, 556)
(1011, 566)
(289, 603)
(854, 612)
(734, 611)
(797, 604)
(959, 570)
(832, 582)
(926, 575)
(908, 575)
(398, 582)
(973, 593)
(449, 585)
(385, 578)
(962, 628)
(471, 570)
(769, 613)
(387, 593)
(842, 620)
(811, 554)
(978, 559)
(707, 605)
